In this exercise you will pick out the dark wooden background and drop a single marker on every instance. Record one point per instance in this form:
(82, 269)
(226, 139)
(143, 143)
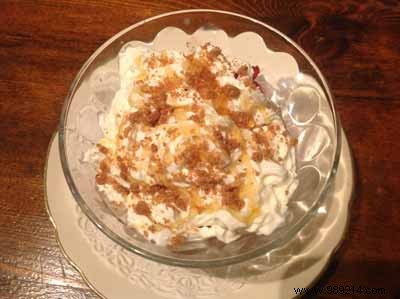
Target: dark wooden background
(42, 46)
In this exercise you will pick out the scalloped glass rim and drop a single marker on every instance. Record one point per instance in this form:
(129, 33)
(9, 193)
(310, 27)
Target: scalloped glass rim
(289, 234)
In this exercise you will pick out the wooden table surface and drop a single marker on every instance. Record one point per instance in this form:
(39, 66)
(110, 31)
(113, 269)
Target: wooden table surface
(43, 44)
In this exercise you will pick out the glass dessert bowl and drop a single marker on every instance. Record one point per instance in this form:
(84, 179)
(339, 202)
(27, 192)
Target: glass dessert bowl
(292, 83)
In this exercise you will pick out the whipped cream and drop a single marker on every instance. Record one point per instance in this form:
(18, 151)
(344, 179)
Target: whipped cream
(193, 149)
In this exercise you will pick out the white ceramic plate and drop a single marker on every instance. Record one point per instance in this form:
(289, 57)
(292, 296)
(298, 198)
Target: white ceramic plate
(113, 272)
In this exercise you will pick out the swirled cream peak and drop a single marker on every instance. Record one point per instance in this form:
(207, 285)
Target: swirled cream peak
(193, 149)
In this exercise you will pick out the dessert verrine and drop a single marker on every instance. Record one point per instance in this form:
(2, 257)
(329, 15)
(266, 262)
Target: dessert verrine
(193, 148)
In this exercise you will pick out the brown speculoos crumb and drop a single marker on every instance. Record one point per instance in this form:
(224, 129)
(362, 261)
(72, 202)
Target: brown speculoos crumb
(231, 198)
(102, 149)
(142, 208)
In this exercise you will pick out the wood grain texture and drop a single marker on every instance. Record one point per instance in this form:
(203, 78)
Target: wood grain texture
(44, 43)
